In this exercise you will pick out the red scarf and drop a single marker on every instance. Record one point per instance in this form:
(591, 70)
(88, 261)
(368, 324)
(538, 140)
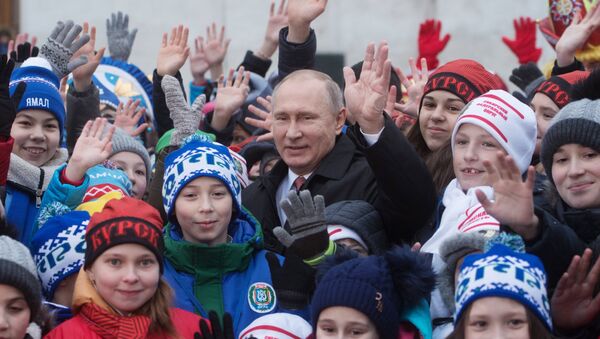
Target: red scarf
(109, 325)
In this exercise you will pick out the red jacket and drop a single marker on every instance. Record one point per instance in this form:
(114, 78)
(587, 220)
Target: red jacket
(186, 324)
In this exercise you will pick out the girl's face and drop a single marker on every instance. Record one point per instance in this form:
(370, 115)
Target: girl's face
(203, 209)
(494, 317)
(14, 313)
(345, 322)
(576, 174)
(126, 276)
(473, 145)
(37, 136)
(133, 165)
(545, 109)
(438, 116)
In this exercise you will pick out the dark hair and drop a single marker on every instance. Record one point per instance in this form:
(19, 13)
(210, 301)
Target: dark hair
(537, 329)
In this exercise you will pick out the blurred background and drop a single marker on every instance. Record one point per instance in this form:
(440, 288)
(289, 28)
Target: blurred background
(476, 26)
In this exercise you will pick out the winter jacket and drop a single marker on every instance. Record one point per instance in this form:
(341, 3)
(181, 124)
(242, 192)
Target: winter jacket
(81, 107)
(233, 277)
(389, 175)
(25, 188)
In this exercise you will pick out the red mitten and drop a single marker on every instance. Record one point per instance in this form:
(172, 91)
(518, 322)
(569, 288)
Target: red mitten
(430, 44)
(523, 46)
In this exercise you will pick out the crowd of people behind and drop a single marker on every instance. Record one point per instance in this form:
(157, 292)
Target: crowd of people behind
(278, 205)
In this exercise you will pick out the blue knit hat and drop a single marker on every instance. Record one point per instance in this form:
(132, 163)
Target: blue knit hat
(199, 157)
(105, 179)
(42, 91)
(380, 287)
(502, 272)
(58, 249)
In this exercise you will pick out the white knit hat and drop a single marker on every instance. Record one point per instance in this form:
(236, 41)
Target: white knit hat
(506, 119)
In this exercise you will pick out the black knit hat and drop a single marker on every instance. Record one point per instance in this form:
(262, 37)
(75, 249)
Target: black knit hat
(18, 270)
(577, 123)
(380, 287)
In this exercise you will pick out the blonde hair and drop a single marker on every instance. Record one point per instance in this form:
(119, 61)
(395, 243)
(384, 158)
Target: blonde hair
(157, 309)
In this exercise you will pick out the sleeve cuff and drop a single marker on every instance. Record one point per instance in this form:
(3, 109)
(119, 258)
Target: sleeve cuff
(371, 139)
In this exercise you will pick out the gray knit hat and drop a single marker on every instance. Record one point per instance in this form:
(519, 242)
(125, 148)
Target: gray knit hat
(362, 218)
(576, 123)
(17, 269)
(123, 142)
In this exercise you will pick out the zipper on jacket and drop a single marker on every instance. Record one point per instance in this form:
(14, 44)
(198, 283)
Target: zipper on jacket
(39, 192)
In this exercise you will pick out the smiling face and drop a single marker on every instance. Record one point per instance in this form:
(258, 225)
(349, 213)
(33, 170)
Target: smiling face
(437, 117)
(126, 276)
(37, 136)
(473, 145)
(203, 209)
(494, 317)
(545, 109)
(14, 313)
(305, 124)
(344, 322)
(576, 174)
(133, 165)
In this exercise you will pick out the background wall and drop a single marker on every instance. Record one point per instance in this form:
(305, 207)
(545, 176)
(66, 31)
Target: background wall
(346, 27)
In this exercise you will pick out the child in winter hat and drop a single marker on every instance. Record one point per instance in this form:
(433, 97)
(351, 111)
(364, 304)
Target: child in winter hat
(130, 155)
(19, 282)
(58, 249)
(514, 283)
(277, 326)
(377, 291)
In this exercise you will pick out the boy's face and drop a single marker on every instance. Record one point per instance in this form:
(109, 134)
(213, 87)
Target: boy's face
(203, 209)
(37, 136)
(473, 145)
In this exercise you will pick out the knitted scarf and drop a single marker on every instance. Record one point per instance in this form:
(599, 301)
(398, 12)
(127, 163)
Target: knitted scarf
(25, 174)
(109, 325)
(208, 265)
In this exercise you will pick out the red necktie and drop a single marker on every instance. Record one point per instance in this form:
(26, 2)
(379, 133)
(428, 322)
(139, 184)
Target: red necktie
(298, 183)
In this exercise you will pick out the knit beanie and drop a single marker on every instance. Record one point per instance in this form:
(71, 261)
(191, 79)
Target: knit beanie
(380, 287)
(165, 139)
(199, 157)
(17, 269)
(123, 142)
(124, 221)
(42, 91)
(577, 123)
(464, 78)
(277, 326)
(58, 249)
(558, 87)
(502, 272)
(360, 218)
(105, 179)
(506, 119)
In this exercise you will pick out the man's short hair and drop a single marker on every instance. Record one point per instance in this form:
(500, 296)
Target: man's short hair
(334, 93)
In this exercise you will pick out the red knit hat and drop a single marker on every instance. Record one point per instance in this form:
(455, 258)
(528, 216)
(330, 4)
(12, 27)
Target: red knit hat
(558, 87)
(124, 221)
(464, 78)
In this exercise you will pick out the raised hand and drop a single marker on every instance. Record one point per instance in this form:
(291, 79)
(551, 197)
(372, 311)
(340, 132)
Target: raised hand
(92, 148)
(120, 40)
(277, 20)
(414, 87)
(198, 63)
(523, 46)
(573, 304)
(215, 49)
(8, 105)
(265, 120)
(82, 76)
(231, 95)
(575, 36)
(513, 198)
(173, 52)
(300, 15)
(21, 49)
(430, 43)
(60, 47)
(367, 96)
(128, 116)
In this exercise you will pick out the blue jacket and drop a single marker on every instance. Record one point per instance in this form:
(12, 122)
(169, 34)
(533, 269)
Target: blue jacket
(242, 286)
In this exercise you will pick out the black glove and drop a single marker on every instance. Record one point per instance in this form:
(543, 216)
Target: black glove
(24, 52)
(294, 282)
(8, 105)
(525, 74)
(226, 332)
